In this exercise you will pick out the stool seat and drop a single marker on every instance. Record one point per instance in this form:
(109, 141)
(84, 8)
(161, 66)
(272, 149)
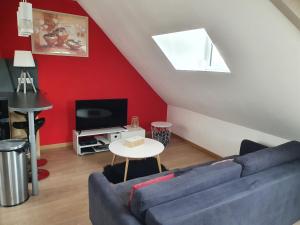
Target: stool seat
(20, 125)
(38, 123)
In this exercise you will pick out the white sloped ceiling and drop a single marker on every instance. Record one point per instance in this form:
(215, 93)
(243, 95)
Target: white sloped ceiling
(260, 46)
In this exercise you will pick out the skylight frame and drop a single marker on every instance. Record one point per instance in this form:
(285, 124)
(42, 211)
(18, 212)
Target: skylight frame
(191, 50)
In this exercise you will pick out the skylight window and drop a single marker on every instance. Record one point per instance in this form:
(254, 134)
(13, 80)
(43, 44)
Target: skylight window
(191, 50)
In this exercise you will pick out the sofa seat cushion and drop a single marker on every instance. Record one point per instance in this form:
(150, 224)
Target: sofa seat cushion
(195, 180)
(269, 157)
(269, 197)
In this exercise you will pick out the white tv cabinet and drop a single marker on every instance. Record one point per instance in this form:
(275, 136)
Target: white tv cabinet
(103, 138)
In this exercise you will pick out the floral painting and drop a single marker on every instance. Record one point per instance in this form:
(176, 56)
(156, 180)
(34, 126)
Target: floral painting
(57, 33)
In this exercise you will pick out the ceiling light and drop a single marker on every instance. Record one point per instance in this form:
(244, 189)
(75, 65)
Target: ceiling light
(24, 19)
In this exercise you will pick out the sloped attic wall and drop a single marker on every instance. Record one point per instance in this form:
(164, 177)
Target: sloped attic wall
(291, 9)
(259, 44)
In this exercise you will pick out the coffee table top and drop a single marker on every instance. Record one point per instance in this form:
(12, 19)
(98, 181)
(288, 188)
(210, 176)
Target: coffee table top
(149, 149)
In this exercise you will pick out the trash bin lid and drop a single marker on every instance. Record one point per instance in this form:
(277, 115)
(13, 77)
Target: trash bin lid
(12, 145)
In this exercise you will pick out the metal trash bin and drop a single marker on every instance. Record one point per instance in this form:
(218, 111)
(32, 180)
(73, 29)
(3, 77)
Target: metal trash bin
(13, 172)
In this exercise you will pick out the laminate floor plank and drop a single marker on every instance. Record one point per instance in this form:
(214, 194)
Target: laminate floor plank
(63, 198)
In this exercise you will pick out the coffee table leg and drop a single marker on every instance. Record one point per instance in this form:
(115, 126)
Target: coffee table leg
(113, 159)
(158, 163)
(126, 169)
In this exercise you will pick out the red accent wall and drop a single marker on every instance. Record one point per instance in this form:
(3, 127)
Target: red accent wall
(104, 74)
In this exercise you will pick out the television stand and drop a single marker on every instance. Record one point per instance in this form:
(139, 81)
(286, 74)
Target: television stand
(102, 138)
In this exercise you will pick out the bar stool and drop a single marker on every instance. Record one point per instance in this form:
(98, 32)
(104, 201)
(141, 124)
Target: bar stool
(38, 123)
(161, 131)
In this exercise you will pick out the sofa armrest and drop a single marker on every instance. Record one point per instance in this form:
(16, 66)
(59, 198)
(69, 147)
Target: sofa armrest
(105, 206)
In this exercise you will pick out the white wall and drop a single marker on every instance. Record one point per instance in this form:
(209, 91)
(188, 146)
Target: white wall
(217, 136)
(259, 44)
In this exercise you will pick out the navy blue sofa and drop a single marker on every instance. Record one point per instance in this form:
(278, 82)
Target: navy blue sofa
(258, 188)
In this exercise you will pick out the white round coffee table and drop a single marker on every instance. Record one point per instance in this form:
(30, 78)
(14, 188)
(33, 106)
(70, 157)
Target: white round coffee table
(151, 148)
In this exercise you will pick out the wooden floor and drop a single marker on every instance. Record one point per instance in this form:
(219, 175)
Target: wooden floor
(63, 196)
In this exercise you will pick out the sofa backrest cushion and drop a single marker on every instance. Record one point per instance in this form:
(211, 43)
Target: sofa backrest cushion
(248, 146)
(147, 183)
(269, 157)
(195, 180)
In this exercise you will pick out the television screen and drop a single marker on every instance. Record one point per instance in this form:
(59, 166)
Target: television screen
(95, 114)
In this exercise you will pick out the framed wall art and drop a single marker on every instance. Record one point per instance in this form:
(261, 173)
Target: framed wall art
(57, 33)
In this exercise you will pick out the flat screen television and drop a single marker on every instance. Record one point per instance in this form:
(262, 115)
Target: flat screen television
(103, 113)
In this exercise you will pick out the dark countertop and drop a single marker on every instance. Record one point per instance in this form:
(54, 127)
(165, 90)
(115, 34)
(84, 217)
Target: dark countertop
(28, 102)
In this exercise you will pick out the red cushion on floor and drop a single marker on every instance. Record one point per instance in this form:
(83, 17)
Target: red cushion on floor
(148, 183)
